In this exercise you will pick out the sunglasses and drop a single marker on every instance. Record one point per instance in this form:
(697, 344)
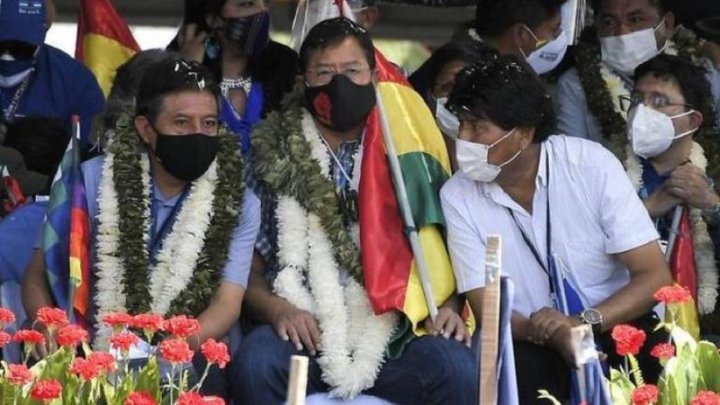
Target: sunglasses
(17, 49)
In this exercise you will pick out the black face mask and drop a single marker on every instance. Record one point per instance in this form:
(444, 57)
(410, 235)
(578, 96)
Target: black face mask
(251, 33)
(186, 157)
(340, 105)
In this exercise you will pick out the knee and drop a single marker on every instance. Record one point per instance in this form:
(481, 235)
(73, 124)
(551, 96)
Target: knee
(261, 355)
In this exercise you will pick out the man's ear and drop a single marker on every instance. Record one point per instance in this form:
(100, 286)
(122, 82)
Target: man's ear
(670, 21)
(527, 134)
(145, 130)
(696, 119)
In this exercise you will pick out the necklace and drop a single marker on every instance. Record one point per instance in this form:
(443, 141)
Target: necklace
(244, 83)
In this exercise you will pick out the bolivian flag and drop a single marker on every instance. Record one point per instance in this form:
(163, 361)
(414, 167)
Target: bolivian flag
(391, 276)
(104, 41)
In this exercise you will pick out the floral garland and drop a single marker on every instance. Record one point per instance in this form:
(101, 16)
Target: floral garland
(352, 337)
(603, 87)
(193, 253)
(703, 246)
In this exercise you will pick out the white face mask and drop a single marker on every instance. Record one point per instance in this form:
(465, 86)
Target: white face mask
(473, 160)
(626, 52)
(549, 56)
(447, 121)
(652, 132)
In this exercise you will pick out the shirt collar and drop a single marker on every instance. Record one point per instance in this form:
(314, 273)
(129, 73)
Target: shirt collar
(542, 174)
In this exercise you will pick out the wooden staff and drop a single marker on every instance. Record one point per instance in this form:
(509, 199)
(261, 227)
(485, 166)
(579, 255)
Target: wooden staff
(490, 323)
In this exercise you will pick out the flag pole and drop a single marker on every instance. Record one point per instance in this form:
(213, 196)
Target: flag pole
(71, 283)
(674, 229)
(405, 210)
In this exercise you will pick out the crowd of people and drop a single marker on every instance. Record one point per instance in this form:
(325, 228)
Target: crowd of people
(224, 181)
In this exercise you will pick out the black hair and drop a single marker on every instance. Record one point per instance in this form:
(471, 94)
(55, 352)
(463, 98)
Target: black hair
(494, 17)
(662, 5)
(40, 140)
(691, 80)
(170, 76)
(332, 32)
(507, 92)
(126, 83)
(467, 51)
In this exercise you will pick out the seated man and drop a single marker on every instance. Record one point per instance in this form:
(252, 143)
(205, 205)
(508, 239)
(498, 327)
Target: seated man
(191, 255)
(671, 155)
(563, 206)
(530, 29)
(629, 33)
(308, 156)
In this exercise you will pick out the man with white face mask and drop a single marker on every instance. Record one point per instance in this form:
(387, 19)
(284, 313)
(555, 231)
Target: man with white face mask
(37, 79)
(669, 165)
(562, 206)
(626, 34)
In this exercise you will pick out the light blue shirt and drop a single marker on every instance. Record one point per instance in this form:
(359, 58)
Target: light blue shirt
(575, 118)
(237, 268)
(595, 213)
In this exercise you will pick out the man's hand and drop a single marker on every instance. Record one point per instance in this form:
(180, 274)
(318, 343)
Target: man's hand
(191, 42)
(661, 202)
(546, 322)
(448, 323)
(561, 341)
(688, 182)
(300, 327)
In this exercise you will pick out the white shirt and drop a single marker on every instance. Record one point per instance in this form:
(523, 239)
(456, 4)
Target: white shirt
(594, 210)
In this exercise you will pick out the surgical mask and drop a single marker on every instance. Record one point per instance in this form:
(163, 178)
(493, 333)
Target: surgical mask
(186, 157)
(538, 42)
(626, 52)
(13, 71)
(446, 120)
(340, 105)
(473, 160)
(652, 132)
(549, 56)
(251, 33)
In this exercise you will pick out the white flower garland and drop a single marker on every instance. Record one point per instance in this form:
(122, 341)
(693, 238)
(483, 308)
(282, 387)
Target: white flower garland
(176, 260)
(353, 338)
(707, 277)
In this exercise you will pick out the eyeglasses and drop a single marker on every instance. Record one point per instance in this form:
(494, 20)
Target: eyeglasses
(654, 101)
(324, 75)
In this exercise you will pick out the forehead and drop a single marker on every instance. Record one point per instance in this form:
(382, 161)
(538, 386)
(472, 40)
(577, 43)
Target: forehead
(190, 103)
(651, 83)
(621, 7)
(344, 52)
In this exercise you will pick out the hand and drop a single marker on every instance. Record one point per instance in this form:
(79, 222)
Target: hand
(561, 342)
(300, 327)
(689, 183)
(191, 42)
(546, 322)
(448, 323)
(661, 202)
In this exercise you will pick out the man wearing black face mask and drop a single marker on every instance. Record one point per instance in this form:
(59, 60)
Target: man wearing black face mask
(173, 228)
(37, 79)
(305, 283)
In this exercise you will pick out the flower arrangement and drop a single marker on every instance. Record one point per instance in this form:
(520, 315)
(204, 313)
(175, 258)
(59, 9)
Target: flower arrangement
(66, 377)
(691, 369)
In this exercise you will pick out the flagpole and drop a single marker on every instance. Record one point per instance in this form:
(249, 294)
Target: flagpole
(71, 284)
(405, 210)
(674, 229)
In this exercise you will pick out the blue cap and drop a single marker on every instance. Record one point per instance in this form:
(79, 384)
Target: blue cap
(22, 20)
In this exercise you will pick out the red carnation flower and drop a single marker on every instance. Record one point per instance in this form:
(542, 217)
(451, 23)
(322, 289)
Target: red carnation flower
(140, 398)
(52, 318)
(123, 341)
(19, 374)
(86, 369)
(176, 351)
(663, 351)
(106, 361)
(323, 107)
(5, 338)
(706, 398)
(181, 326)
(6, 316)
(645, 395)
(71, 336)
(215, 352)
(149, 323)
(672, 295)
(117, 320)
(29, 337)
(193, 398)
(628, 340)
(46, 390)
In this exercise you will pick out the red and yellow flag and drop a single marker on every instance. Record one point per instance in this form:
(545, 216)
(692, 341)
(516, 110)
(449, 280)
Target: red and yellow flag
(104, 41)
(684, 273)
(391, 276)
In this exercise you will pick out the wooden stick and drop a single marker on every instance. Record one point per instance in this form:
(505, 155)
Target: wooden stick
(490, 323)
(297, 385)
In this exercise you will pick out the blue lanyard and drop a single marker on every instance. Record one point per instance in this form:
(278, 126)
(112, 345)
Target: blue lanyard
(157, 237)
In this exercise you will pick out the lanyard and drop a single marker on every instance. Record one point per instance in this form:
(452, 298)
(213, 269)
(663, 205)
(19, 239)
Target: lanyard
(9, 112)
(157, 237)
(547, 268)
